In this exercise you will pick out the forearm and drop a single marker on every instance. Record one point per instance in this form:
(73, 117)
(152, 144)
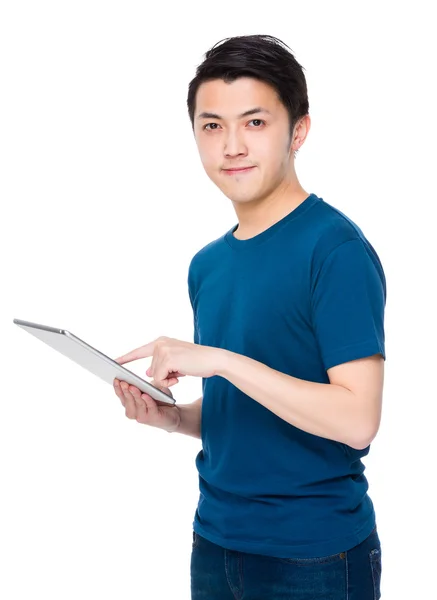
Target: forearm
(327, 410)
(190, 422)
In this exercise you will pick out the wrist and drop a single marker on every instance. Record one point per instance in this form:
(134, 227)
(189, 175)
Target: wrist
(224, 362)
(175, 428)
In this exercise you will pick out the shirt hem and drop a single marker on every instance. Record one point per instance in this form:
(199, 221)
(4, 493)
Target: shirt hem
(315, 550)
(354, 352)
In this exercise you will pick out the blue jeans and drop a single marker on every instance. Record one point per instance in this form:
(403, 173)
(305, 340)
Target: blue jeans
(220, 574)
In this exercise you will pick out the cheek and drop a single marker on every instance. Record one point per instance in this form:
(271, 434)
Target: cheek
(274, 159)
(210, 159)
(210, 167)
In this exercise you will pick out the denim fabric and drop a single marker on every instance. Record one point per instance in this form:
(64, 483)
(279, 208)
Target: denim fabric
(221, 574)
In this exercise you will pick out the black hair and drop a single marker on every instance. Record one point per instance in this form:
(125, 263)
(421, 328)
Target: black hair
(262, 57)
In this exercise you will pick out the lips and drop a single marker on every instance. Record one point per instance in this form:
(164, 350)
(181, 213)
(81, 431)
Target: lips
(238, 169)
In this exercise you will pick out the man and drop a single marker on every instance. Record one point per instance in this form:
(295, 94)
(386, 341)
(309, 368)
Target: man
(289, 340)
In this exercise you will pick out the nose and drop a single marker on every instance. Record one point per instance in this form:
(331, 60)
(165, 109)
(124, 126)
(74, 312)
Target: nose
(234, 146)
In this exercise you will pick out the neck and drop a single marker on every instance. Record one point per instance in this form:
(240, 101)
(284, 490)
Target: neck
(257, 216)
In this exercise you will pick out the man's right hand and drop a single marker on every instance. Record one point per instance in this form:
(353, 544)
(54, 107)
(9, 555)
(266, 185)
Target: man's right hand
(144, 409)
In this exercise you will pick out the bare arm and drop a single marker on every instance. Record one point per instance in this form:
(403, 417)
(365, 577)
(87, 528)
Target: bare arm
(348, 409)
(191, 415)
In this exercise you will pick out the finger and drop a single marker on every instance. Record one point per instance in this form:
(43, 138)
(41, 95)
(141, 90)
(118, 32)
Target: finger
(130, 407)
(141, 352)
(147, 408)
(175, 374)
(172, 381)
(169, 381)
(119, 391)
(136, 394)
(141, 406)
(155, 358)
(151, 406)
(159, 367)
(143, 415)
(162, 374)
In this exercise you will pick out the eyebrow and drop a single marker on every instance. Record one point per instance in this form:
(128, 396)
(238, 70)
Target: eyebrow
(247, 113)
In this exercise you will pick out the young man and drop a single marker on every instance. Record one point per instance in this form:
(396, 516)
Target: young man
(289, 340)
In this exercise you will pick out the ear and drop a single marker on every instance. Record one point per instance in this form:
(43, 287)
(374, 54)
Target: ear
(301, 130)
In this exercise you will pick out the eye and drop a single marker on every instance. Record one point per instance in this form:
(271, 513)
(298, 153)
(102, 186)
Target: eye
(212, 128)
(257, 121)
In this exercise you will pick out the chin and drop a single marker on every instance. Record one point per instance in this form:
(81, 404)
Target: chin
(241, 199)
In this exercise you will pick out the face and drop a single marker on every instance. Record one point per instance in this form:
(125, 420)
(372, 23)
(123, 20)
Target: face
(244, 125)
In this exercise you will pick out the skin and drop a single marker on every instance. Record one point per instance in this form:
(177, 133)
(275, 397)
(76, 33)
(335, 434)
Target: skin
(265, 194)
(348, 409)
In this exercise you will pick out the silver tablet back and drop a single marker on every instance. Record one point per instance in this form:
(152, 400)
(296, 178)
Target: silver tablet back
(91, 359)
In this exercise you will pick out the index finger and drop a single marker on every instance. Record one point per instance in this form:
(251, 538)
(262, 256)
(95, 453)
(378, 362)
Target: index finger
(141, 352)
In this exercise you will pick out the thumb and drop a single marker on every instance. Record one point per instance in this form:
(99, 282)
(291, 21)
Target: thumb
(162, 388)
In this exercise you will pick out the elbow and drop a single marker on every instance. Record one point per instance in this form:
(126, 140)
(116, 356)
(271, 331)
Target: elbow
(360, 444)
(363, 441)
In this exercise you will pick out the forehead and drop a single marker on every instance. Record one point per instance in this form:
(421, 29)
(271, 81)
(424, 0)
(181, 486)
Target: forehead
(230, 99)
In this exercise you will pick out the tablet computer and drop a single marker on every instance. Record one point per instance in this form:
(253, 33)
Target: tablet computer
(91, 359)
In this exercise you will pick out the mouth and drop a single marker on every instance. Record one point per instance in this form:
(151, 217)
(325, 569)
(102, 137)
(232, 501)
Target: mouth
(237, 170)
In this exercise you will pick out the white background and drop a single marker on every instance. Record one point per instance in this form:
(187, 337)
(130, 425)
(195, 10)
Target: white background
(103, 203)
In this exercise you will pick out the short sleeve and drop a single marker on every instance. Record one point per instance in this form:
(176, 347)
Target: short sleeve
(196, 338)
(348, 297)
(191, 296)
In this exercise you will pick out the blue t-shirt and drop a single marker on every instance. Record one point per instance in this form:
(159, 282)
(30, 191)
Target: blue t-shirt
(304, 295)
